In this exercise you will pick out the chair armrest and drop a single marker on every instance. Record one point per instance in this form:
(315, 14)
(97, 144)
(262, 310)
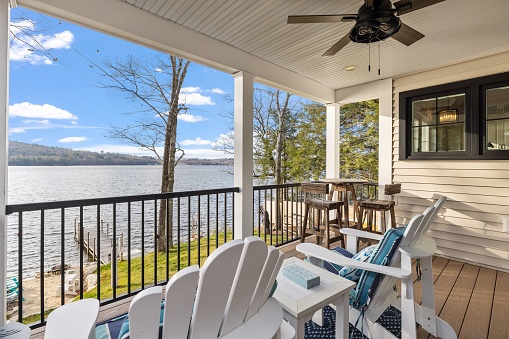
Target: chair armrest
(312, 250)
(361, 234)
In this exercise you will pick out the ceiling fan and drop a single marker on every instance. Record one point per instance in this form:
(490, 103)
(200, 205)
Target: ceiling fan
(376, 20)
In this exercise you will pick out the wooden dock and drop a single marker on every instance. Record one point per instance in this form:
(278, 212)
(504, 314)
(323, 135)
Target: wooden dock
(90, 243)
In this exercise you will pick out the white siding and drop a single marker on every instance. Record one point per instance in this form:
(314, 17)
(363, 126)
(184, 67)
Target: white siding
(469, 228)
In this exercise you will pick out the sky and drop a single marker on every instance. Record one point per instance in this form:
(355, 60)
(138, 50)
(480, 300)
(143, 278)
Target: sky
(55, 100)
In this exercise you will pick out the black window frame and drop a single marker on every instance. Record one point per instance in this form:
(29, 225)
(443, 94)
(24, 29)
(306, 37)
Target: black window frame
(475, 119)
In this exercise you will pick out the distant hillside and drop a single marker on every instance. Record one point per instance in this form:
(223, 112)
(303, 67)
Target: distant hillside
(23, 154)
(193, 161)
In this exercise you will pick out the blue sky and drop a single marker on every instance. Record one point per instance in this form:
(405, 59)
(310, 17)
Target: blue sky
(54, 102)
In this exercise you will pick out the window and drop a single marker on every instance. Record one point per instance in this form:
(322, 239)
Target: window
(462, 120)
(438, 124)
(497, 118)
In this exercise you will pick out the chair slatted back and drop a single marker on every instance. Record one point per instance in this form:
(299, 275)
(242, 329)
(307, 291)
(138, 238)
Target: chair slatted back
(416, 229)
(272, 279)
(423, 230)
(272, 264)
(144, 313)
(391, 189)
(215, 300)
(180, 291)
(244, 285)
(216, 278)
(315, 187)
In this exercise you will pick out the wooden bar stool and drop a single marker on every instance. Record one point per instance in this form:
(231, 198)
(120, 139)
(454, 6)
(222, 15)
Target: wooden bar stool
(315, 200)
(368, 208)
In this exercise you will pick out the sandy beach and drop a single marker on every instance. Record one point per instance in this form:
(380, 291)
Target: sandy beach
(32, 295)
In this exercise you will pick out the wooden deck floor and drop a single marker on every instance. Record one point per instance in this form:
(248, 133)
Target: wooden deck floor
(472, 299)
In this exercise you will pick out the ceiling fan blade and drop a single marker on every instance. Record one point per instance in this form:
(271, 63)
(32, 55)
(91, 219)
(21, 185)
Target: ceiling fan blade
(338, 46)
(312, 19)
(407, 6)
(407, 35)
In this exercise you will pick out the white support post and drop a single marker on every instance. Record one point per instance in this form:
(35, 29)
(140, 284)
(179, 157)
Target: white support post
(243, 154)
(384, 140)
(332, 141)
(4, 106)
(385, 136)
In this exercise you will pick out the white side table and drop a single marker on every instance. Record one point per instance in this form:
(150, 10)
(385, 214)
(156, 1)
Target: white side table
(15, 331)
(299, 304)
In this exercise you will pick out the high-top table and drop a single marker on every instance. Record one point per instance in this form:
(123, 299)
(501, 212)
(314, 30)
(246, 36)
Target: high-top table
(299, 304)
(345, 186)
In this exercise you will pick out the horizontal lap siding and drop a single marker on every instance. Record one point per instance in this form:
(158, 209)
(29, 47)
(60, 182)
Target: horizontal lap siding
(469, 228)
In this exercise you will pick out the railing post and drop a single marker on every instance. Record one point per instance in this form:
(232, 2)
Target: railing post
(243, 154)
(114, 275)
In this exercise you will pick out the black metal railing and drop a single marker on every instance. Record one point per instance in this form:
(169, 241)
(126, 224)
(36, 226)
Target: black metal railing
(54, 236)
(278, 213)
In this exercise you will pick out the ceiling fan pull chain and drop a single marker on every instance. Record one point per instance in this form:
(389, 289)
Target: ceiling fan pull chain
(378, 57)
(369, 57)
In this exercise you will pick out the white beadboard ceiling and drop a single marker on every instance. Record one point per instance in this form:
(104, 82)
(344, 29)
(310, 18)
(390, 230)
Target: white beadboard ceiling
(455, 31)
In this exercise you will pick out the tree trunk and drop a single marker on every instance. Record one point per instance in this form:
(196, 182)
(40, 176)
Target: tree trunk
(165, 226)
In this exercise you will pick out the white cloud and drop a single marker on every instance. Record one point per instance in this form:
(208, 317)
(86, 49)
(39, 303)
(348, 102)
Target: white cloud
(191, 96)
(73, 139)
(74, 122)
(195, 99)
(190, 90)
(43, 122)
(191, 118)
(224, 139)
(45, 111)
(21, 52)
(217, 91)
(197, 141)
(158, 70)
(18, 26)
(37, 140)
(16, 130)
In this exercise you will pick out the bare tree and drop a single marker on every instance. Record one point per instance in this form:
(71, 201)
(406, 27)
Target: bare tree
(155, 85)
(274, 114)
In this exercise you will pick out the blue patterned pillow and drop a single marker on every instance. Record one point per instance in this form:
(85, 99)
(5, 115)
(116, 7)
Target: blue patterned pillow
(354, 274)
(335, 268)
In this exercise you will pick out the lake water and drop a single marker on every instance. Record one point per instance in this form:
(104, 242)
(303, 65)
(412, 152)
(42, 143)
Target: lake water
(54, 183)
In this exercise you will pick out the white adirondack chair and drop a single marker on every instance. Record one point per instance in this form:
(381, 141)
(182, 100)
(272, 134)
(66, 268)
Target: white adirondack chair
(227, 298)
(414, 244)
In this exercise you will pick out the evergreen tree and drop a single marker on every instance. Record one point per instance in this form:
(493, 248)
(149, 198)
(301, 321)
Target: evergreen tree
(359, 140)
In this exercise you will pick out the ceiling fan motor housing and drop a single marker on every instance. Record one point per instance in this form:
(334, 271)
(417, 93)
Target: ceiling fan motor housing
(376, 21)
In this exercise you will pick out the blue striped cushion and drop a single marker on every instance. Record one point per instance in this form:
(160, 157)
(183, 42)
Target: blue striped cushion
(383, 254)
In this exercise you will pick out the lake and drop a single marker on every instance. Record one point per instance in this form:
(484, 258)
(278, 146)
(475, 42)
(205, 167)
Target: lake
(54, 183)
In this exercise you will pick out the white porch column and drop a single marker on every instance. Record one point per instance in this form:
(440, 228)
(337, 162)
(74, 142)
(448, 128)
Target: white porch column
(243, 153)
(332, 141)
(4, 111)
(385, 135)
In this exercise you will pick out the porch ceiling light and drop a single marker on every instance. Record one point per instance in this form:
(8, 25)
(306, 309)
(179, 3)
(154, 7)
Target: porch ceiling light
(350, 68)
(449, 115)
